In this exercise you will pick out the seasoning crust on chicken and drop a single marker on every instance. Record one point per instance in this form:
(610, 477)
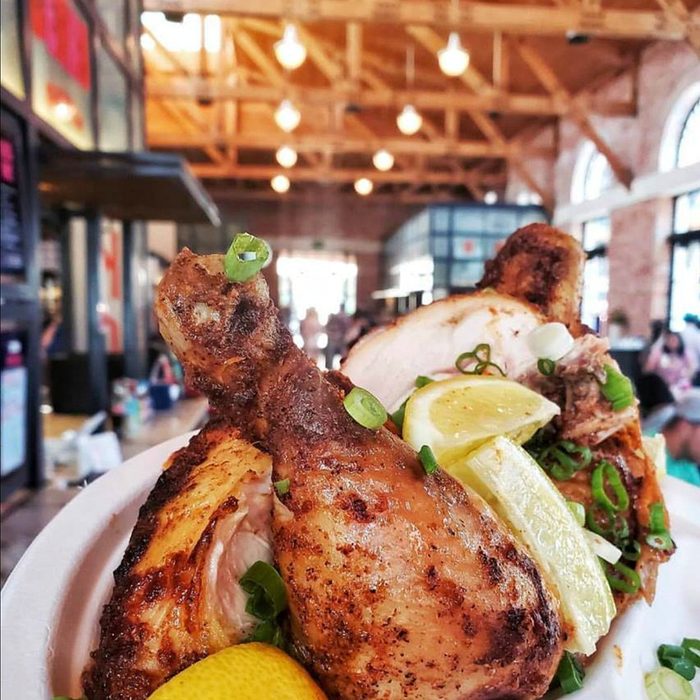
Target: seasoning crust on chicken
(176, 597)
(400, 584)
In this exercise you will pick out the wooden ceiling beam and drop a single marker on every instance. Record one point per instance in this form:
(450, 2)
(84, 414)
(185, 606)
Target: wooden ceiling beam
(302, 174)
(676, 10)
(338, 143)
(548, 77)
(353, 52)
(175, 87)
(542, 19)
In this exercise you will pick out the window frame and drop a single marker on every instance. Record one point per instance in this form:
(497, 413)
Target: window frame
(681, 137)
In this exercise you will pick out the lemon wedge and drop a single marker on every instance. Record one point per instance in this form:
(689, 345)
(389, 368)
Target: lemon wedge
(243, 672)
(509, 479)
(453, 416)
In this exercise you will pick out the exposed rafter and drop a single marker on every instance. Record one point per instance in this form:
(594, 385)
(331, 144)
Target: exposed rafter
(676, 10)
(486, 17)
(546, 75)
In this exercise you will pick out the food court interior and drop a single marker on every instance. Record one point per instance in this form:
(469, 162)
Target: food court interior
(384, 150)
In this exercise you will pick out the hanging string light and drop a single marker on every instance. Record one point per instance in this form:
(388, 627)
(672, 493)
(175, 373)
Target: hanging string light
(383, 160)
(409, 120)
(289, 51)
(286, 156)
(287, 116)
(280, 183)
(364, 186)
(454, 58)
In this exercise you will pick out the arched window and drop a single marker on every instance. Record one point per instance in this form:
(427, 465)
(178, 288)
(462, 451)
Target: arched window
(598, 177)
(688, 151)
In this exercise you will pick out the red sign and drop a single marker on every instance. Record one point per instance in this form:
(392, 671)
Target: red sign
(7, 162)
(65, 34)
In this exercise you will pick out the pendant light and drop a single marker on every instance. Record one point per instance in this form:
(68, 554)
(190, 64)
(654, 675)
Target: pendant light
(286, 156)
(454, 58)
(364, 186)
(383, 160)
(289, 51)
(287, 116)
(280, 183)
(409, 120)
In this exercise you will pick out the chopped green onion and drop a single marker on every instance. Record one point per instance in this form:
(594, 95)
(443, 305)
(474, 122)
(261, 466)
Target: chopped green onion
(245, 257)
(578, 511)
(562, 458)
(691, 646)
(657, 518)
(622, 578)
(617, 389)
(427, 459)
(398, 415)
(282, 487)
(546, 366)
(606, 523)
(481, 356)
(660, 540)
(570, 673)
(605, 472)
(670, 651)
(365, 409)
(268, 632)
(665, 684)
(679, 657)
(422, 381)
(683, 667)
(631, 551)
(268, 597)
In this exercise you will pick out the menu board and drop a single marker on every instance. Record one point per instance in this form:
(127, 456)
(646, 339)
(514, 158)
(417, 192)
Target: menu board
(11, 234)
(13, 403)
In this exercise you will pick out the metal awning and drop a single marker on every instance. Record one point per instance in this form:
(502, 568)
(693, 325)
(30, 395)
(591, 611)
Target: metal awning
(141, 186)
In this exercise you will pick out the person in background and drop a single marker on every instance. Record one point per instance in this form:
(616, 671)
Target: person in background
(691, 338)
(669, 359)
(310, 328)
(337, 330)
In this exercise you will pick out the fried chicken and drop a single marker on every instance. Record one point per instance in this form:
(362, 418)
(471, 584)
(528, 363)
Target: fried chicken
(400, 584)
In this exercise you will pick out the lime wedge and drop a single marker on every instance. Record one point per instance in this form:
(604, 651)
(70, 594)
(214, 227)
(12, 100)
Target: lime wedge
(454, 416)
(528, 502)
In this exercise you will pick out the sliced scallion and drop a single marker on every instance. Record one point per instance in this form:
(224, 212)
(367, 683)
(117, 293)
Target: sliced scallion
(665, 684)
(623, 578)
(268, 597)
(282, 487)
(245, 257)
(660, 540)
(692, 646)
(427, 459)
(604, 475)
(477, 361)
(617, 389)
(398, 415)
(657, 518)
(365, 409)
(546, 366)
(607, 524)
(422, 380)
(570, 673)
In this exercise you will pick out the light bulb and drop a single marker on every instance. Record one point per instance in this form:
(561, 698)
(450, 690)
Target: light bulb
(453, 59)
(363, 186)
(280, 183)
(147, 42)
(286, 156)
(64, 110)
(290, 52)
(490, 197)
(409, 121)
(383, 160)
(287, 116)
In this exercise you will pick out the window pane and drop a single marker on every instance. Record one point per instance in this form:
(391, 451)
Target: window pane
(685, 283)
(596, 233)
(689, 142)
(112, 105)
(594, 304)
(10, 53)
(599, 177)
(61, 69)
(686, 214)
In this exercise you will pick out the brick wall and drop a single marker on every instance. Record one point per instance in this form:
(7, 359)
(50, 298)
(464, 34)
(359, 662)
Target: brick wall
(640, 218)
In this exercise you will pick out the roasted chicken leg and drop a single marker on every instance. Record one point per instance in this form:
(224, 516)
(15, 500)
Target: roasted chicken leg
(400, 584)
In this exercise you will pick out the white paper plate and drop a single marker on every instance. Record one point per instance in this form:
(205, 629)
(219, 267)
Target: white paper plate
(52, 601)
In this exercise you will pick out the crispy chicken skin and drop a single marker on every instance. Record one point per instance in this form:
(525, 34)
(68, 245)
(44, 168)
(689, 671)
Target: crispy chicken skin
(174, 598)
(400, 585)
(541, 265)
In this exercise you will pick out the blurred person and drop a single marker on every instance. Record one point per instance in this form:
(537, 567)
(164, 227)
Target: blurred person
(669, 359)
(680, 425)
(691, 338)
(310, 328)
(361, 323)
(337, 330)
